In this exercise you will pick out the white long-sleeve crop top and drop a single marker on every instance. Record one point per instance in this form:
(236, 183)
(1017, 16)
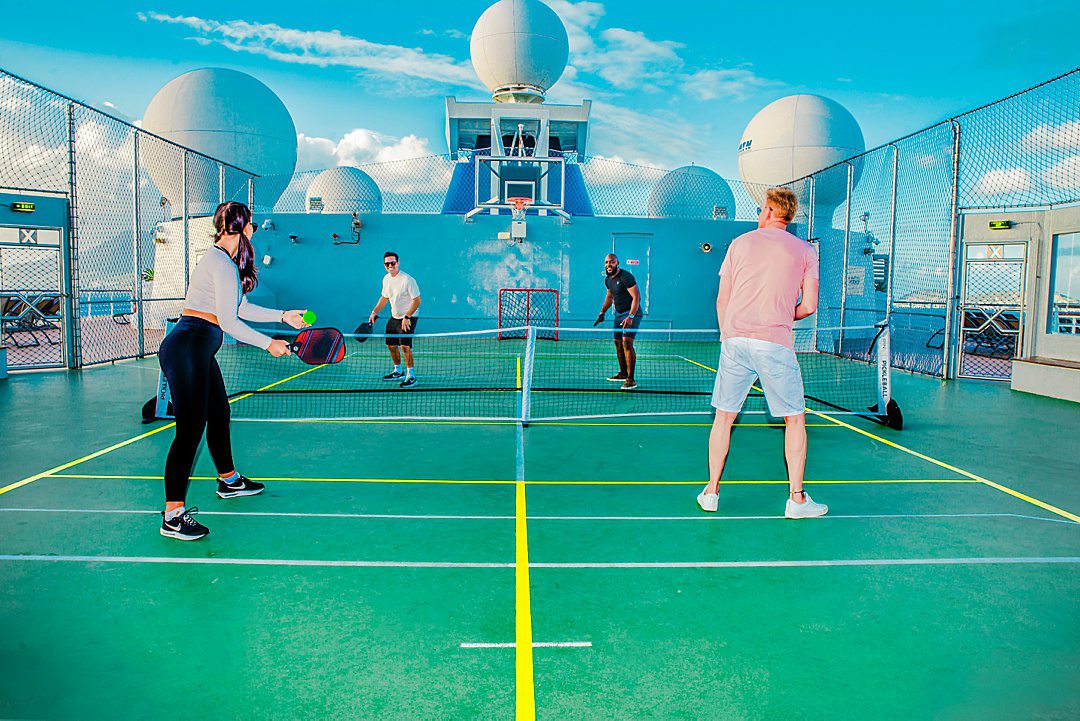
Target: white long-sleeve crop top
(215, 288)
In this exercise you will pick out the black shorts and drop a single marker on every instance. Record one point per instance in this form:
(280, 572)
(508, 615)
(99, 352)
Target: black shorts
(393, 328)
(628, 332)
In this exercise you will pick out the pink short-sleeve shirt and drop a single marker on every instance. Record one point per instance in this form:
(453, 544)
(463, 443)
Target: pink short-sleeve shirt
(766, 268)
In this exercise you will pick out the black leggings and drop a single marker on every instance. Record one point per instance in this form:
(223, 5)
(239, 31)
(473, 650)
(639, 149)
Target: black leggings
(199, 402)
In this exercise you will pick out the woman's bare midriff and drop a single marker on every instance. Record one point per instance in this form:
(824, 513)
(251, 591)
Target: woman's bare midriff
(199, 314)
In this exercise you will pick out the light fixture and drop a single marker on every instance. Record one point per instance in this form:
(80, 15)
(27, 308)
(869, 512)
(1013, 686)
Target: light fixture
(267, 260)
(706, 247)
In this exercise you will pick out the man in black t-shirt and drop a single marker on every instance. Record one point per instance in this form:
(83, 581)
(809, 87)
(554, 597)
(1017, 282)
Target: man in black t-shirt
(622, 290)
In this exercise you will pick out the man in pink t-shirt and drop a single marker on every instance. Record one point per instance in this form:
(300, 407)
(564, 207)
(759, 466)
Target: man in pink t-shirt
(768, 280)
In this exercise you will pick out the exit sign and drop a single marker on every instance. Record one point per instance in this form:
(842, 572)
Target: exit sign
(22, 206)
(1000, 224)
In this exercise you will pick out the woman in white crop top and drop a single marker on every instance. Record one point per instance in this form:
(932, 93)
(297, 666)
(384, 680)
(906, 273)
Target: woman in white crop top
(214, 304)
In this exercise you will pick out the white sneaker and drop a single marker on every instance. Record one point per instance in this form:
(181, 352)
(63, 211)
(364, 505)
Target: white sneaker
(708, 501)
(809, 509)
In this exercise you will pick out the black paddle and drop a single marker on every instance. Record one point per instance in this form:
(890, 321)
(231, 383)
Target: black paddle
(363, 331)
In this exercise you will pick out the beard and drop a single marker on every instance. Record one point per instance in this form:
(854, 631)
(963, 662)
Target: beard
(612, 272)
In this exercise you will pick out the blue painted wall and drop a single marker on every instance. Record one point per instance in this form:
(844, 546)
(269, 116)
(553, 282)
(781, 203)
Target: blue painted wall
(461, 266)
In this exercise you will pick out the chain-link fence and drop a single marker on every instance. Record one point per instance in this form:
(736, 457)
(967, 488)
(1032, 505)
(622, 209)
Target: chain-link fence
(124, 187)
(886, 221)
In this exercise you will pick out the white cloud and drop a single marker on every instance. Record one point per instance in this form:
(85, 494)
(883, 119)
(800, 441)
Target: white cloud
(324, 48)
(580, 19)
(1000, 182)
(1064, 175)
(1063, 136)
(737, 83)
(359, 146)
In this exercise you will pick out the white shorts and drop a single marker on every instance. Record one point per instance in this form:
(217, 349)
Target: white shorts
(743, 361)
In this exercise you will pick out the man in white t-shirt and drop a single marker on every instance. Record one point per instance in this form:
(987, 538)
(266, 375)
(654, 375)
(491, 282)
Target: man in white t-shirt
(399, 289)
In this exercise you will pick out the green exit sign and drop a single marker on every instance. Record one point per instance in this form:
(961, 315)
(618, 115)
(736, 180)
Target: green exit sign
(1000, 224)
(21, 206)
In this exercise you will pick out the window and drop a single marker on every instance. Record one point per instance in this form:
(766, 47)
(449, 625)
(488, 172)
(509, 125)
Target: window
(1065, 285)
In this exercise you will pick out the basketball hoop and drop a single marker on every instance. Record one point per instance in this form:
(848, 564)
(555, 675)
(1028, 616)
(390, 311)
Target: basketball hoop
(520, 203)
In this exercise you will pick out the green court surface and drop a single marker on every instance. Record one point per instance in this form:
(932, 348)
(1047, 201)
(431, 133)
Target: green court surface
(482, 570)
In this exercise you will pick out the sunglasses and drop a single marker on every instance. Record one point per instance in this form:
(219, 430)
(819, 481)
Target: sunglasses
(390, 263)
(254, 227)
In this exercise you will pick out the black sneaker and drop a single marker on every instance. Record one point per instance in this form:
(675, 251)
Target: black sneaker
(183, 527)
(393, 376)
(240, 487)
(620, 376)
(629, 385)
(409, 382)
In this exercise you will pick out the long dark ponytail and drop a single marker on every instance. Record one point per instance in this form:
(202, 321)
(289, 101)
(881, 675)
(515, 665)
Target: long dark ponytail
(230, 219)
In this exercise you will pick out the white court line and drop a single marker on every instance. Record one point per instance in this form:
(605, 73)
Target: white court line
(537, 644)
(826, 563)
(253, 562)
(218, 561)
(429, 517)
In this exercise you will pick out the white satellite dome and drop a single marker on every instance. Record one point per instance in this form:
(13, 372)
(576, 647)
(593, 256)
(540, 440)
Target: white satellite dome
(692, 191)
(795, 136)
(229, 116)
(519, 50)
(343, 189)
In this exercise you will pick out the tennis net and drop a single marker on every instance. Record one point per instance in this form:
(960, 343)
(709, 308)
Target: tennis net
(476, 376)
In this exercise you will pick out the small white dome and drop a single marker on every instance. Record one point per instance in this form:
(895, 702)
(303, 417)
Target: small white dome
(692, 191)
(519, 50)
(795, 136)
(343, 190)
(229, 116)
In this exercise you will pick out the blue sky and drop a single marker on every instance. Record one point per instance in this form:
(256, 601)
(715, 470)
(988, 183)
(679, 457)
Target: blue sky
(672, 82)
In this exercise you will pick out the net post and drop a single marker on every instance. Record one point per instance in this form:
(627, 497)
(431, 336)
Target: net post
(884, 369)
(526, 376)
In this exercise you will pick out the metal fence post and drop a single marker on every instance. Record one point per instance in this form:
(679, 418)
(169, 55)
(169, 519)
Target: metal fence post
(890, 268)
(135, 233)
(71, 254)
(847, 240)
(251, 192)
(221, 183)
(187, 244)
(952, 294)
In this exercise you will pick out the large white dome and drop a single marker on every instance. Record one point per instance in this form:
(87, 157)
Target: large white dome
(229, 116)
(692, 191)
(344, 190)
(795, 136)
(519, 50)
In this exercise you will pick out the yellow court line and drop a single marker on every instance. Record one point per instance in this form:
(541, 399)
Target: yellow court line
(525, 702)
(462, 482)
(954, 469)
(1004, 489)
(519, 372)
(96, 454)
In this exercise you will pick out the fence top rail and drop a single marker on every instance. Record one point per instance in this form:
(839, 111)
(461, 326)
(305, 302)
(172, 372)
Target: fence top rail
(952, 120)
(132, 126)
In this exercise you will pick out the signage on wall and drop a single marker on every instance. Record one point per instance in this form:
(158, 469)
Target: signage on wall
(856, 281)
(23, 206)
(633, 262)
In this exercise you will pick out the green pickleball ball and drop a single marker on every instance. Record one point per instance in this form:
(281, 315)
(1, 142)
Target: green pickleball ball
(309, 317)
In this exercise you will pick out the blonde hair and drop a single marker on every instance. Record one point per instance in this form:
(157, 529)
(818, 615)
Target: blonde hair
(783, 201)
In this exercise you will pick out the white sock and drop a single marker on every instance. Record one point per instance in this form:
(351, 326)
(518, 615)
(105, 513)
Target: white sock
(408, 373)
(230, 480)
(397, 367)
(174, 513)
